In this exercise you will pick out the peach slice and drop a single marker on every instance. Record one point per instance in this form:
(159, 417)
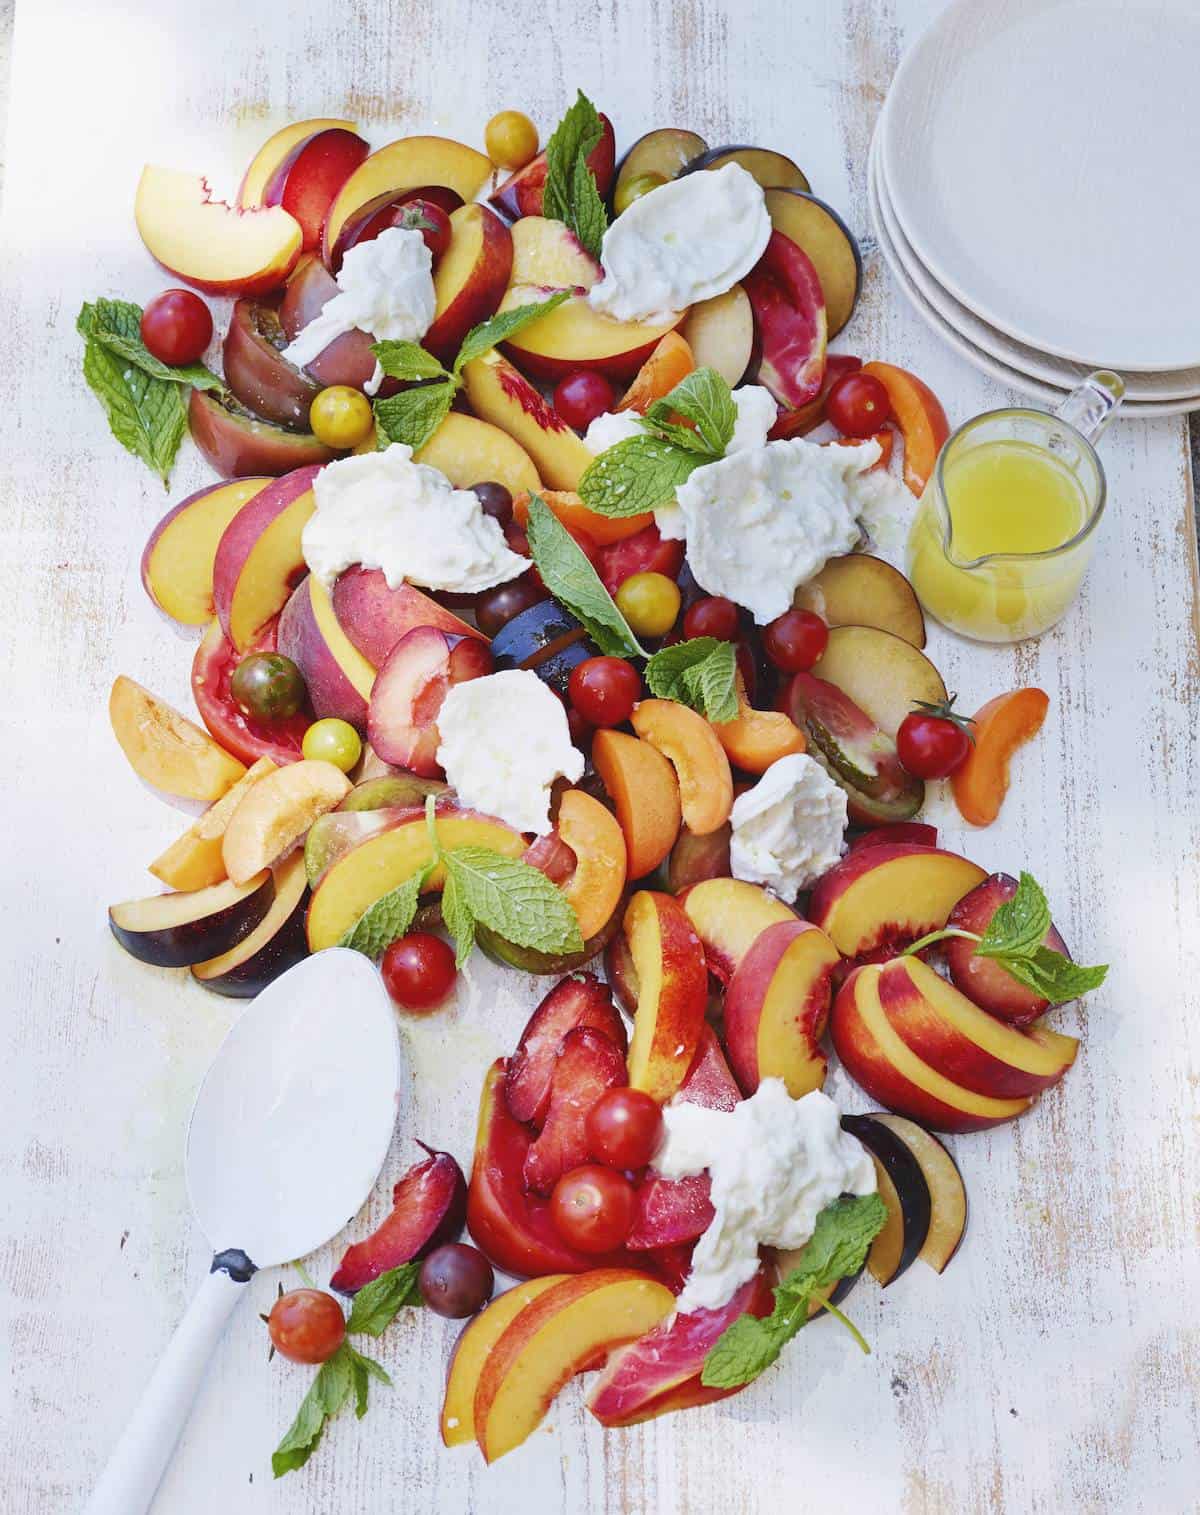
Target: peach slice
(469, 451)
(668, 962)
(195, 860)
(976, 1050)
(501, 395)
(177, 563)
(275, 945)
(919, 415)
(374, 617)
(883, 674)
(575, 336)
(596, 883)
(549, 255)
(338, 678)
(276, 813)
(755, 739)
(879, 1060)
(380, 863)
(473, 1348)
(861, 590)
(556, 1336)
(690, 744)
(646, 795)
(729, 916)
(720, 333)
(410, 163)
(259, 558)
(165, 748)
(983, 980)
(669, 364)
(470, 278)
(572, 513)
(216, 247)
(878, 899)
(276, 151)
(776, 1007)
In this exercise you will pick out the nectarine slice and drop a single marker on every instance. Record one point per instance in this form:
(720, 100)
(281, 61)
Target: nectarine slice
(690, 744)
(729, 916)
(549, 255)
(574, 335)
(177, 565)
(470, 278)
(880, 898)
(472, 1349)
(165, 748)
(260, 559)
(668, 963)
(195, 861)
(776, 1007)
(755, 739)
(883, 674)
(276, 150)
(500, 394)
(595, 886)
(646, 794)
(276, 812)
(554, 1337)
(470, 451)
(861, 590)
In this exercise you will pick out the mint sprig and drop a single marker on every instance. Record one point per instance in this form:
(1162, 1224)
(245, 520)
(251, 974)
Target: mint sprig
(705, 399)
(837, 1249)
(573, 581)
(701, 673)
(570, 193)
(117, 325)
(378, 1303)
(413, 415)
(346, 1372)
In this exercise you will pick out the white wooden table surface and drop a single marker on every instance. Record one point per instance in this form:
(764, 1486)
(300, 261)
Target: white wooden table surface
(1056, 1366)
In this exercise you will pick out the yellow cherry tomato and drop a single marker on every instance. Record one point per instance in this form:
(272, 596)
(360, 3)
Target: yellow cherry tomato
(333, 741)
(511, 139)
(341, 417)
(634, 188)
(650, 603)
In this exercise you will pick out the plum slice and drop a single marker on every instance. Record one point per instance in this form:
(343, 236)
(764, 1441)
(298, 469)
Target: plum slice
(588, 1063)
(854, 752)
(429, 1207)
(409, 690)
(579, 1001)
(983, 979)
(904, 1190)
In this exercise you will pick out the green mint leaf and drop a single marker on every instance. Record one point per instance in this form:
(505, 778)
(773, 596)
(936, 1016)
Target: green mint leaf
(378, 1303)
(499, 328)
(705, 398)
(117, 325)
(330, 1391)
(146, 415)
(362, 1370)
(408, 361)
(573, 138)
(637, 475)
(458, 919)
(743, 1351)
(414, 415)
(388, 918)
(681, 436)
(512, 899)
(1054, 976)
(587, 217)
(1020, 925)
(701, 673)
(573, 581)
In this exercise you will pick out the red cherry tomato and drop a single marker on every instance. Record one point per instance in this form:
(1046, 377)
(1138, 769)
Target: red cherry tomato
(604, 690)
(431, 221)
(418, 970)
(306, 1325)
(177, 326)
(796, 640)
(592, 1208)
(933, 741)
(714, 616)
(858, 405)
(581, 397)
(623, 1128)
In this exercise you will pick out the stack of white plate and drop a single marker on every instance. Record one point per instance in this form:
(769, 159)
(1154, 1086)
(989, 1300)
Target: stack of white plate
(1034, 186)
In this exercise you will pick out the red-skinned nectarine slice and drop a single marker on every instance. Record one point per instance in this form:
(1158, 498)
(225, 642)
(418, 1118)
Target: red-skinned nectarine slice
(672, 980)
(690, 744)
(276, 150)
(473, 1348)
(500, 394)
(878, 899)
(338, 678)
(645, 791)
(470, 451)
(470, 278)
(576, 336)
(776, 1007)
(259, 559)
(177, 564)
(729, 916)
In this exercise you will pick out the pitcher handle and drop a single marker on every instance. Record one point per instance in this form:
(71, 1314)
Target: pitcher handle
(1093, 403)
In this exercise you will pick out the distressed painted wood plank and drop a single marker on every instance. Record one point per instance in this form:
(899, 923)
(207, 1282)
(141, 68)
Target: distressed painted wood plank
(1053, 1368)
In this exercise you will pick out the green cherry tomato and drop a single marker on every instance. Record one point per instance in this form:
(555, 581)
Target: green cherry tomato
(341, 417)
(267, 686)
(650, 603)
(333, 741)
(634, 188)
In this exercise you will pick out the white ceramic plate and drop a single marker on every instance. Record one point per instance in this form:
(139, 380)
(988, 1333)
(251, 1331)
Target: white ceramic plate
(1041, 158)
(1050, 394)
(1179, 384)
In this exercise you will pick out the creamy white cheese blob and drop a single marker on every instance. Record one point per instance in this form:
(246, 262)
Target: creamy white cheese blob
(386, 290)
(384, 511)
(504, 741)
(611, 427)
(686, 241)
(775, 1163)
(789, 828)
(762, 522)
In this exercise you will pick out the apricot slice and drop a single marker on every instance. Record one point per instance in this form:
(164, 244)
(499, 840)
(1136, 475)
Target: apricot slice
(646, 793)
(165, 748)
(755, 739)
(919, 415)
(1001, 726)
(593, 834)
(276, 813)
(672, 987)
(575, 516)
(669, 364)
(195, 861)
(701, 766)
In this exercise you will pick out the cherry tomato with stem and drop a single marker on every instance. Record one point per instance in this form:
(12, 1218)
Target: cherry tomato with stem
(795, 640)
(713, 616)
(306, 1325)
(456, 1280)
(592, 1208)
(858, 405)
(418, 970)
(624, 1127)
(176, 327)
(934, 740)
(604, 690)
(582, 396)
(431, 221)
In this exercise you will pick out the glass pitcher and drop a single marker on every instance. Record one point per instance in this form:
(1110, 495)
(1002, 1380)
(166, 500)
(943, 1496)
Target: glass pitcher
(1005, 528)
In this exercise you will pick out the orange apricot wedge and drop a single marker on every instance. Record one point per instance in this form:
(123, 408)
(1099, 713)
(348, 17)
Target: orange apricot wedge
(594, 835)
(755, 739)
(645, 791)
(669, 363)
(1001, 726)
(918, 413)
(692, 747)
(572, 513)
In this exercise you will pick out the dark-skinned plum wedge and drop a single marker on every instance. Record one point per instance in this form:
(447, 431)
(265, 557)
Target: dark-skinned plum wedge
(904, 1191)
(276, 944)
(177, 930)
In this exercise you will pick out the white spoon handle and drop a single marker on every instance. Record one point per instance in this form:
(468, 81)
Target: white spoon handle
(128, 1484)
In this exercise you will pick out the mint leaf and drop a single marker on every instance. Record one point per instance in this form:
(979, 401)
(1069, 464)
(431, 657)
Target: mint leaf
(388, 918)
(572, 140)
(705, 398)
(117, 325)
(330, 1391)
(586, 215)
(1020, 924)
(701, 673)
(573, 581)
(362, 1370)
(378, 1303)
(637, 475)
(408, 361)
(488, 334)
(512, 899)
(837, 1249)
(414, 415)
(1053, 976)
(458, 919)
(146, 415)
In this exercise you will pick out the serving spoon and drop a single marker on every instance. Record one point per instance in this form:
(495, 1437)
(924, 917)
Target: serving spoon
(286, 1138)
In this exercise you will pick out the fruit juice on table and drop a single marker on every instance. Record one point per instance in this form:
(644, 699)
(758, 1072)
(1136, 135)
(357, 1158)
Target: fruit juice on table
(1005, 529)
